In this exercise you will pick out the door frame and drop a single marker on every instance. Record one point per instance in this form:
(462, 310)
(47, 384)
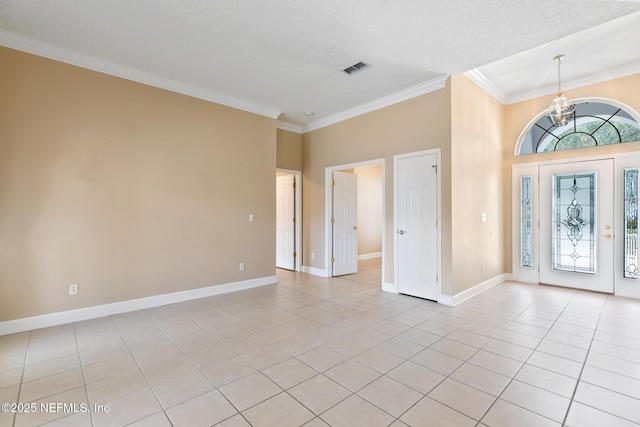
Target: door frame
(395, 287)
(297, 262)
(328, 210)
(621, 286)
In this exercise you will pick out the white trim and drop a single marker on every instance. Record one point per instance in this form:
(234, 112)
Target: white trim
(551, 89)
(298, 213)
(57, 53)
(70, 316)
(481, 80)
(474, 290)
(289, 126)
(315, 271)
(412, 92)
(369, 256)
(389, 287)
(396, 243)
(328, 205)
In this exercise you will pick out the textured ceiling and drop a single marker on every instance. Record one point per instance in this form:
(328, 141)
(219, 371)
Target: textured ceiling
(283, 57)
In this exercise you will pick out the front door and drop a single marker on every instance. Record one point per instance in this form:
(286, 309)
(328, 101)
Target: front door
(417, 221)
(576, 225)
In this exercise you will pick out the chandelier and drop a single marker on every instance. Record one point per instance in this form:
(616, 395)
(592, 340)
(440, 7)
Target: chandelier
(560, 111)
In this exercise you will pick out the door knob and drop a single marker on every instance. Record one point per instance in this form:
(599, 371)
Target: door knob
(355, 227)
(607, 227)
(401, 232)
(606, 236)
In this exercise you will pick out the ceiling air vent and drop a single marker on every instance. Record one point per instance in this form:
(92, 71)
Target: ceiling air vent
(356, 67)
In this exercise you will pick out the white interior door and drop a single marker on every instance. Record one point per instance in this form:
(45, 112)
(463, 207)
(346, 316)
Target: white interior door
(416, 226)
(345, 230)
(285, 225)
(576, 225)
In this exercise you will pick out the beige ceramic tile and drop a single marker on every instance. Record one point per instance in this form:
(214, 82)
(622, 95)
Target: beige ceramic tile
(430, 413)
(158, 419)
(585, 416)
(496, 363)
(205, 410)
(249, 391)
(289, 373)
(608, 401)
(379, 360)
(547, 380)
(53, 384)
(322, 358)
(281, 410)
(542, 402)
(355, 411)
(179, 389)
(352, 375)
(390, 395)
(416, 376)
(116, 386)
(611, 381)
(556, 364)
(505, 414)
(468, 400)
(436, 361)
(480, 378)
(319, 393)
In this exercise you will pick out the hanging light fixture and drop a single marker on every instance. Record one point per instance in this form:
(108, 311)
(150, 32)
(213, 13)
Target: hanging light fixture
(560, 111)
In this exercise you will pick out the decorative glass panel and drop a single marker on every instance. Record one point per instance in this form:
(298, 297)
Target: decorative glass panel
(574, 222)
(631, 223)
(525, 221)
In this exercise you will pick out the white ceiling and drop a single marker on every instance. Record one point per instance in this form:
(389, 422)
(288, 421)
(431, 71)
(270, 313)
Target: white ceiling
(281, 58)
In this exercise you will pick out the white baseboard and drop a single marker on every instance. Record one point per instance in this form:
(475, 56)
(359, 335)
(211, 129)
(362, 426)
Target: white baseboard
(70, 316)
(314, 271)
(370, 256)
(390, 287)
(474, 290)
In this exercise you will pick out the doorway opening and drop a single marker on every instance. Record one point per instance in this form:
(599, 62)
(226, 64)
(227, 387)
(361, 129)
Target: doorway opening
(354, 212)
(289, 219)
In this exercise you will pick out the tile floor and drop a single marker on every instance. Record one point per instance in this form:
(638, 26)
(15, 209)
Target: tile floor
(316, 352)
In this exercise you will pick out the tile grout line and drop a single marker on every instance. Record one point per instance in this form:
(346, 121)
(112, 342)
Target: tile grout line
(575, 389)
(84, 380)
(24, 367)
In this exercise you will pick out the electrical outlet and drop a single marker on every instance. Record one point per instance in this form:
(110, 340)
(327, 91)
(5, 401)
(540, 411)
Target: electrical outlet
(73, 289)
(313, 256)
(250, 217)
(241, 266)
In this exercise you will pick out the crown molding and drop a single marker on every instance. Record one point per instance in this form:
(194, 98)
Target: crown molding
(57, 53)
(394, 98)
(603, 76)
(289, 127)
(481, 80)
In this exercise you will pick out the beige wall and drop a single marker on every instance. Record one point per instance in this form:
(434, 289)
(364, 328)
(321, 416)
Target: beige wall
(417, 124)
(518, 115)
(127, 190)
(476, 184)
(369, 209)
(289, 150)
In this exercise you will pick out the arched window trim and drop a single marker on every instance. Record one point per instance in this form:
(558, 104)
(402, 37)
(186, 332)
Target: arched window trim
(633, 113)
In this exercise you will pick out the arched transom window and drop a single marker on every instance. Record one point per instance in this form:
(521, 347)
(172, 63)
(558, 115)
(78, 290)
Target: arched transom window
(595, 122)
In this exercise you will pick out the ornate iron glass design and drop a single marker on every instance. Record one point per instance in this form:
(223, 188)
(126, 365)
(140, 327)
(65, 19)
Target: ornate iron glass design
(631, 223)
(592, 124)
(525, 222)
(574, 240)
